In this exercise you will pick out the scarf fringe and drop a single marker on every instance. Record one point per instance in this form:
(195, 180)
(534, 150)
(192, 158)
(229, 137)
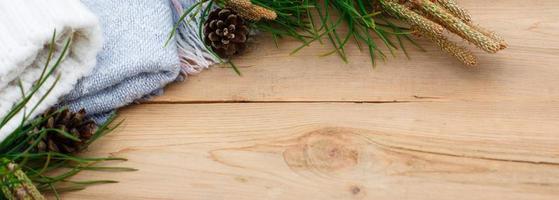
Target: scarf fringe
(194, 56)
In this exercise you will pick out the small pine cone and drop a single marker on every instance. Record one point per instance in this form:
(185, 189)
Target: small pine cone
(226, 32)
(73, 123)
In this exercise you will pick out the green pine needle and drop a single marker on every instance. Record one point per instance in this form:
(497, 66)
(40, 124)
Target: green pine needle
(309, 21)
(40, 166)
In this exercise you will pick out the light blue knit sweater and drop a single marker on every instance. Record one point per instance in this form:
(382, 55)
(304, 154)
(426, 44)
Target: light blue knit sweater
(134, 62)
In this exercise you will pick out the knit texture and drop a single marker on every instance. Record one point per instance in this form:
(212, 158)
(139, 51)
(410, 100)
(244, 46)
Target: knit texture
(27, 26)
(134, 62)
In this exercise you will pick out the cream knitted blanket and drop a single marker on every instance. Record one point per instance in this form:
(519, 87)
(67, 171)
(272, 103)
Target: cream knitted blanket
(26, 28)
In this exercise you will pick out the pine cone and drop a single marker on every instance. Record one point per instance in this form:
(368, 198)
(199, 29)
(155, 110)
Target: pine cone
(226, 32)
(73, 123)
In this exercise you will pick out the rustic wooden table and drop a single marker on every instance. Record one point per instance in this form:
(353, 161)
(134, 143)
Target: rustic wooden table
(310, 127)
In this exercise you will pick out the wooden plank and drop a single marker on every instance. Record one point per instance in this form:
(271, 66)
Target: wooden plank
(527, 71)
(427, 128)
(414, 150)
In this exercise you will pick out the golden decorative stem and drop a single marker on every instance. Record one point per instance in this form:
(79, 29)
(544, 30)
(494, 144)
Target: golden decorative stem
(456, 10)
(413, 18)
(458, 26)
(249, 11)
(461, 53)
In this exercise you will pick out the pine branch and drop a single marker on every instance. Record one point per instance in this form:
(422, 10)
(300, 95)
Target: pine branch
(294, 18)
(24, 172)
(311, 20)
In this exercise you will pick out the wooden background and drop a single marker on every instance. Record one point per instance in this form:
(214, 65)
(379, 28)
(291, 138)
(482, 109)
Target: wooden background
(310, 127)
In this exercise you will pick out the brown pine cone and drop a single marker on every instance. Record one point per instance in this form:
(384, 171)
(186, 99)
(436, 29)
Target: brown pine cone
(73, 123)
(226, 32)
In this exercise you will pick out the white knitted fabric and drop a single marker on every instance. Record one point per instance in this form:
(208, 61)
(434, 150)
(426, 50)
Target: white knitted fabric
(26, 27)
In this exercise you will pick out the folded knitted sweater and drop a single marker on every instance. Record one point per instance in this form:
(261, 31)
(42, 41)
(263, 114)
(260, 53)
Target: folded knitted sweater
(27, 27)
(134, 62)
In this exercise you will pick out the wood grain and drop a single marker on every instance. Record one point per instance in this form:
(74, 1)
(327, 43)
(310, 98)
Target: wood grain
(310, 127)
(419, 150)
(527, 71)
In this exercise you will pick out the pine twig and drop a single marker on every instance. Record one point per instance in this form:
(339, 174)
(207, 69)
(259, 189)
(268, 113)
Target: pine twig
(23, 171)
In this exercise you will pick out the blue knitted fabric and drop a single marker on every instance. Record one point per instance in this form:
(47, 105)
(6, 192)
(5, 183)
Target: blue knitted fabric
(133, 63)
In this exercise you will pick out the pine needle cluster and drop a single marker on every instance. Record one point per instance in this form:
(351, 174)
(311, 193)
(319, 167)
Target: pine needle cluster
(24, 173)
(311, 21)
(369, 22)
